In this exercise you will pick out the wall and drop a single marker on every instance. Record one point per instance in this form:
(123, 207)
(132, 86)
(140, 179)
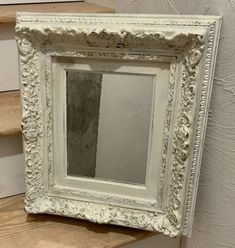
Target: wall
(11, 166)
(214, 224)
(8, 60)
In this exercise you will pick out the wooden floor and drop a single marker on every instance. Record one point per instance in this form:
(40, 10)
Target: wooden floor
(20, 230)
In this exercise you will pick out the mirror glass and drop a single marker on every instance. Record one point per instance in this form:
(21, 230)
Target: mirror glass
(108, 125)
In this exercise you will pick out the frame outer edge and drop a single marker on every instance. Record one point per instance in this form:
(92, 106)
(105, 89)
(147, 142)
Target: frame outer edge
(190, 202)
(35, 187)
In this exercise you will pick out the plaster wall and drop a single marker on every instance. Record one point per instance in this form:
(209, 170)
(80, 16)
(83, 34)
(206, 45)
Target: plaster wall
(214, 224)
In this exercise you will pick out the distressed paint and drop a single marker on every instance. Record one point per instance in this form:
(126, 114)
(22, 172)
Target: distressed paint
(214, 224)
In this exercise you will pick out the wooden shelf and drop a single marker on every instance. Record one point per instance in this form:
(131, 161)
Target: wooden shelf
(18, 229)
(8, 12)
(10, 113)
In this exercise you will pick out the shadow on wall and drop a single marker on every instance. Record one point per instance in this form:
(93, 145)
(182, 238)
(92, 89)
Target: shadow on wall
(7, 31)
(11, 145)
(12, 180)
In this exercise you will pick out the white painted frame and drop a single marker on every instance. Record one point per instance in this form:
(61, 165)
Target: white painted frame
(137, 196)
(50, 43)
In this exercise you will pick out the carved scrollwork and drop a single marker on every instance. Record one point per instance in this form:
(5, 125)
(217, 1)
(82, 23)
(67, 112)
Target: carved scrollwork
(186, 228)
(120, 38)
(102, 213)
(31, 118)
(183, 133)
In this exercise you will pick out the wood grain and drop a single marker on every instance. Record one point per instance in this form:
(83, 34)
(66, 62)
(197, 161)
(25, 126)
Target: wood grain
(18, 229)
(10, 113)
(8, 12)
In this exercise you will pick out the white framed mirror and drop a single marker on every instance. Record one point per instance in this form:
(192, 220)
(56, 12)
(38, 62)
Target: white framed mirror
(114, 115)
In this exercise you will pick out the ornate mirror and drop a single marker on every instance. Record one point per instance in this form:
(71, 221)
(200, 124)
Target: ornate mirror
(114, 115)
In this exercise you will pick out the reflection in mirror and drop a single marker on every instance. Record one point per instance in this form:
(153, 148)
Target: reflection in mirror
(108, 125)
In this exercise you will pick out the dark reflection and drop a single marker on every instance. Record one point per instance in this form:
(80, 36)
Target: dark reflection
(108, 124)
(83, 103)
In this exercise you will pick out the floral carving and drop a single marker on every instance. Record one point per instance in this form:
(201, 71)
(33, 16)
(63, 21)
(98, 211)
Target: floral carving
(183, 132)
(168, 119)
(194, 173)
(31, 118)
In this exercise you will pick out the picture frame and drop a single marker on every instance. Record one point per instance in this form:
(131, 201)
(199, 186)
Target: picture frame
(186, 46)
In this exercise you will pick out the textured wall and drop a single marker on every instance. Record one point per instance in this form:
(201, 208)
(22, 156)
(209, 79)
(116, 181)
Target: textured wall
(214, 224)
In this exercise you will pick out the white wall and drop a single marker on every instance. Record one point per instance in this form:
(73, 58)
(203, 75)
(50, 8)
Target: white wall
(214, 224)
